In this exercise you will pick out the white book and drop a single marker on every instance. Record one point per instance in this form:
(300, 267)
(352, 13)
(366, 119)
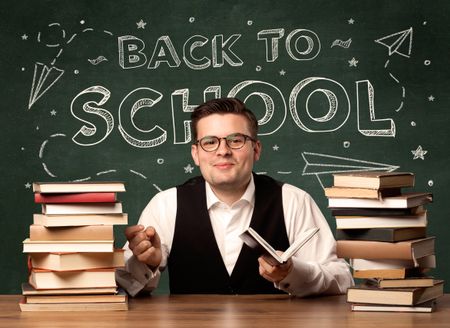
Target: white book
(82, 208)
(255, 241)
(84, 186)
(428, 261)
(94, 246)
(70, 220)
(426, 307)
(406, 200)
(366, 222)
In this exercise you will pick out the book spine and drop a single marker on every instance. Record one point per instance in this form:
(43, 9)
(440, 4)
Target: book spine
(94, 197)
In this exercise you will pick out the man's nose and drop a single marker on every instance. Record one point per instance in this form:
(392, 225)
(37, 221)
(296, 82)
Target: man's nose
(223, 147)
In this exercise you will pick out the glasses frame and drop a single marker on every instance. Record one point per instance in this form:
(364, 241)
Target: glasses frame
(227, 139)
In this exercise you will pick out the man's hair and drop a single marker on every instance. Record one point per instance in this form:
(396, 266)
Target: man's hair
(224, 106)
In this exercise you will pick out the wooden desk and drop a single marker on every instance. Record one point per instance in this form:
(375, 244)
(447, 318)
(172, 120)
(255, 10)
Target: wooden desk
(196, 311)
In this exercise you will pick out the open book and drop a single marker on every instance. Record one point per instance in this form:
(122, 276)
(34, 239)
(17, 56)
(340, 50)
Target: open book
(254, 240)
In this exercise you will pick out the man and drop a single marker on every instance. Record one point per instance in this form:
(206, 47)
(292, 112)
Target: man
(194, 229)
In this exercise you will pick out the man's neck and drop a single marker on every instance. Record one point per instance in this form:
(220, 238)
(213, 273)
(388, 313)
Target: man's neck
(229, 195)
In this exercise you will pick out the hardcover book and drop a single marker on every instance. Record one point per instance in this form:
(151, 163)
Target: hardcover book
(401, 296)
(77, 261)
(406, 200)
(409, 249)
(255, 241)
(92, 246)
(68, 220)
(91, 232)
(83, 197)
(82, 208)
(73, 187)
(374, 179)
(381, 234)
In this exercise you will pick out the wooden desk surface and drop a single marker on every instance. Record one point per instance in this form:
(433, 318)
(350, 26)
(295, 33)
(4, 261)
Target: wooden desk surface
(212, 311)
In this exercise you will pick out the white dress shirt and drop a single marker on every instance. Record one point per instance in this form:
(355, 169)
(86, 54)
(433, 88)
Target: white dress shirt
(316, 269)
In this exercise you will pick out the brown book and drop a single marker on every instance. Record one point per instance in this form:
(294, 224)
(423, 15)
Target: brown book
(344, 192)
(92, 232)
(29, 307)
(69, 220)
(46, 279)
(27, 289)
(77, 261)
(400, 273)
(402, 296)
(374, 179)
(408, 282)
(73, 187)
(406, 200)
(120, 296)
(409, 249)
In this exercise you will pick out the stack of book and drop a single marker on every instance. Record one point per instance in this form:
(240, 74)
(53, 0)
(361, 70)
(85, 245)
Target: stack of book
(71, 254)
(382, 231)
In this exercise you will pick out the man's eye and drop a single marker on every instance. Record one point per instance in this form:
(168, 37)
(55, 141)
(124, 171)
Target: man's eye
(209, 141)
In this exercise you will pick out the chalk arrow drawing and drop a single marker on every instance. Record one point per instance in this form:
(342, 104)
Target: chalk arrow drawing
(321, 164)
(44, 78)
(399, 43)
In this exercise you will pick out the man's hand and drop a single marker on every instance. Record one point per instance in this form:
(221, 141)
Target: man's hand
(145, 244)
(274, 273)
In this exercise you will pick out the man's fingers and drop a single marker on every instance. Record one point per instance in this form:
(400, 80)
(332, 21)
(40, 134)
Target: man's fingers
(153, 236)
(131, 231)
(141, 247)
(138, 238)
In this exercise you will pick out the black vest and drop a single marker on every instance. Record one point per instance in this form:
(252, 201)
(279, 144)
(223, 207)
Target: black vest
(195, 263)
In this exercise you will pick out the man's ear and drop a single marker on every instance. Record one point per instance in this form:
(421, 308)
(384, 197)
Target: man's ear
(257, 149)
(194, 154)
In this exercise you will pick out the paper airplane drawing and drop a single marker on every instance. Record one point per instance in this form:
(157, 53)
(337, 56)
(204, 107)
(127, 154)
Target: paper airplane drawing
(321, 164)
(399, 43)
(43, 79)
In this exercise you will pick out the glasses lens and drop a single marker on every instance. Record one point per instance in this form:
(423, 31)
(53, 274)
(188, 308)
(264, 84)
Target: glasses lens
(209, 143)
(235, 141)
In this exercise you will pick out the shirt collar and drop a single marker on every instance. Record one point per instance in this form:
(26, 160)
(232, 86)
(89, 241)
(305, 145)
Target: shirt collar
(248, 196)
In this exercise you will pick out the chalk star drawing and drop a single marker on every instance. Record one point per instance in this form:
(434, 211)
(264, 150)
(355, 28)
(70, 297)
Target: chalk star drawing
(28, 185)
(419, 153)
(322, 164)
(275, 147)
(353, 62)
(141, 24)
(24, 37)
(188, 169)
(431, 98)
(399, 43)
(351, 21)
(53, 112)
(282, 72)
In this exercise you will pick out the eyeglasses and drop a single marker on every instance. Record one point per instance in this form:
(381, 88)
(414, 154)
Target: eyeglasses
(234, 141)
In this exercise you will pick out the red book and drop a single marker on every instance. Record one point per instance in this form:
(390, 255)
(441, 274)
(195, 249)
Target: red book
(83, 197)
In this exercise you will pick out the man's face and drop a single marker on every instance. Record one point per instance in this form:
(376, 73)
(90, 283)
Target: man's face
(226, 169)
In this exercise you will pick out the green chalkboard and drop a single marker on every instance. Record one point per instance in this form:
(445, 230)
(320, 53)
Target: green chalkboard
(102, 90)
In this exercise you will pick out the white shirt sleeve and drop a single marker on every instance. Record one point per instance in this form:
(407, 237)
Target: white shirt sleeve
(316, 268)
(159, 213)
